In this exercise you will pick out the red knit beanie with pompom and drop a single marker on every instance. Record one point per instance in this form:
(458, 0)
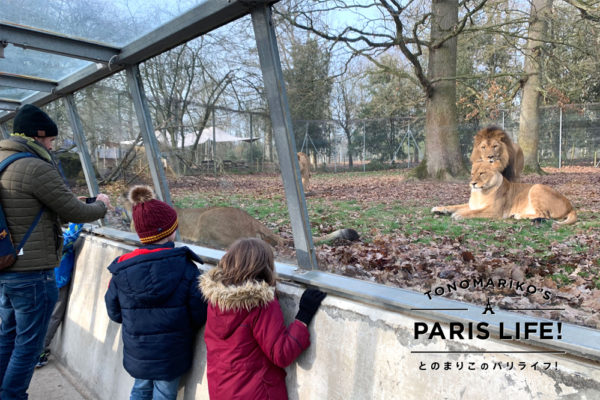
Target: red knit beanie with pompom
(153, 219)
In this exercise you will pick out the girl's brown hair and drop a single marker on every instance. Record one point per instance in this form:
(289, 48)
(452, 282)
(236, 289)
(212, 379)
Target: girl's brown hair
(248, 259)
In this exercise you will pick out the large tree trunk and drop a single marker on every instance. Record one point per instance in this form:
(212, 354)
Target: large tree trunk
(529, 127)
(443, 157)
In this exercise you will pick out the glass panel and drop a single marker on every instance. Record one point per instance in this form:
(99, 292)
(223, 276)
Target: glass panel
(115, 22)
(110, 129)
(42, 65)
(14, 94)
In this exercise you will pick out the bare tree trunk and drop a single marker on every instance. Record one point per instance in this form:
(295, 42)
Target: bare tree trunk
(529, 126)
(442, 148)
(348, 132)
(269, 140)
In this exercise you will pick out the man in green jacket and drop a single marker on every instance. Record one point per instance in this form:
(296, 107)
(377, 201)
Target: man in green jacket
(28, 291)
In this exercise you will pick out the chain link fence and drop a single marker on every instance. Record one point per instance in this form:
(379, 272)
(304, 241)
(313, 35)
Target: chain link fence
(232, 141)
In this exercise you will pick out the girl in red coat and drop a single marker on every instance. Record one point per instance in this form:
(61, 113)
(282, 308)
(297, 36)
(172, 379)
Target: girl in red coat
(247, 342)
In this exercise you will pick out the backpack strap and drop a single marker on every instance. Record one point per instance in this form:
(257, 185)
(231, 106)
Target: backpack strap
(14, 157)
(30, 230)
(5, 163)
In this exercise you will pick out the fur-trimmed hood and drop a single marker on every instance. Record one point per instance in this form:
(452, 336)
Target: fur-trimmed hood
(234, 298)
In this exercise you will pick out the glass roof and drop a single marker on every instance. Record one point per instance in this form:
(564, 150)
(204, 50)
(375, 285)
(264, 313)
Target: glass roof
(42, 65)
(9, 93)
(52, 48)
(114, 22)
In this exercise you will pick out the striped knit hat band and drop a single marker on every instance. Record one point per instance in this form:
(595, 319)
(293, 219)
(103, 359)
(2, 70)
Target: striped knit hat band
(153, 219)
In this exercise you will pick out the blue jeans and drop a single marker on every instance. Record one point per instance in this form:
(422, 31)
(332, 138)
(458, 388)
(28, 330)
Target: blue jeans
(26, 303)
(145, 389)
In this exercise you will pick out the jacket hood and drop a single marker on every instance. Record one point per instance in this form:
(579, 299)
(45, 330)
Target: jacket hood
(153, 277)
(19, 143)
(234, 298)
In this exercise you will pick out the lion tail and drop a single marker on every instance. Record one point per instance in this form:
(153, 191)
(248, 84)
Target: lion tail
(346, 234)
(571, 218)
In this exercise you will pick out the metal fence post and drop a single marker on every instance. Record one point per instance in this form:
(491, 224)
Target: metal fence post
(79, 136)
(251, 144)
(560, 138)
(214, 143)
(364, 148)
(270, 64)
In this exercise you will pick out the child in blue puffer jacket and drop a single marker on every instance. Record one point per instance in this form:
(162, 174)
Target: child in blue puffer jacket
(154, 294)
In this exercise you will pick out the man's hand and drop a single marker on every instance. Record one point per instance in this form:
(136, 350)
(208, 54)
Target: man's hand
(105, 199)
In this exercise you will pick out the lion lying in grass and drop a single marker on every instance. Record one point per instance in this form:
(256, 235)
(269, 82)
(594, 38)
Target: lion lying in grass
(494, 145)
(219, 227)
(493, 196)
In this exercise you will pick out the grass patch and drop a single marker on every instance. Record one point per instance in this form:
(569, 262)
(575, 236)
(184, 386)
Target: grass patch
(416, 222)
(560, 279)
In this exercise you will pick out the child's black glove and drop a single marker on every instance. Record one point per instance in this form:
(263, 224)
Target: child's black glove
(309, 304)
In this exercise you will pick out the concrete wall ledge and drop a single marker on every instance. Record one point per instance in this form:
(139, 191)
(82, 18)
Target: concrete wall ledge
(363, 342)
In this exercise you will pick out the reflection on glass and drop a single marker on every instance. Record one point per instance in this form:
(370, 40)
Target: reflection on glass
(43, 65)
(115, 22)
(14, 94)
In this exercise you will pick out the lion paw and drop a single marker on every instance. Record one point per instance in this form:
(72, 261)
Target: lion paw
(439, 210)
(457, 217)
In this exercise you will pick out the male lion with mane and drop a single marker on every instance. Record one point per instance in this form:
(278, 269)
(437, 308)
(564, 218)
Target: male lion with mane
(492, 144)
(219, 227)
(493, 196)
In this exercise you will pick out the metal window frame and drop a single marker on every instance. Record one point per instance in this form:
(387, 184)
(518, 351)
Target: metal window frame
(79, 137)
(136, 89)
(32, 38)
(27, 82)
(284, 135)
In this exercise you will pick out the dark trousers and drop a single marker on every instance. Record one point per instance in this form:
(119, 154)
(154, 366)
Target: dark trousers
(26, 303)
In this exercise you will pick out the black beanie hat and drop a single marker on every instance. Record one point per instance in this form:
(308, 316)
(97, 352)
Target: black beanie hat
(33, 122)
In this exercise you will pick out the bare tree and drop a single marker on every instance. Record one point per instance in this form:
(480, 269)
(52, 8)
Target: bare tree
(388, 25)
(344, 109)
(184, 87)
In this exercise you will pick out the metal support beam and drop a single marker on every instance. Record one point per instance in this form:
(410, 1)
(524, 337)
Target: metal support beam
(136, 89)
(84, 153)
(9, 105)
(284, 136)
(205, 17)
(50, 42)
(4, 131)
(26, 82)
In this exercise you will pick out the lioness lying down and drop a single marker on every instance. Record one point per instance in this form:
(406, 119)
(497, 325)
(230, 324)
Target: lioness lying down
(493, 196)
(219, 227)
